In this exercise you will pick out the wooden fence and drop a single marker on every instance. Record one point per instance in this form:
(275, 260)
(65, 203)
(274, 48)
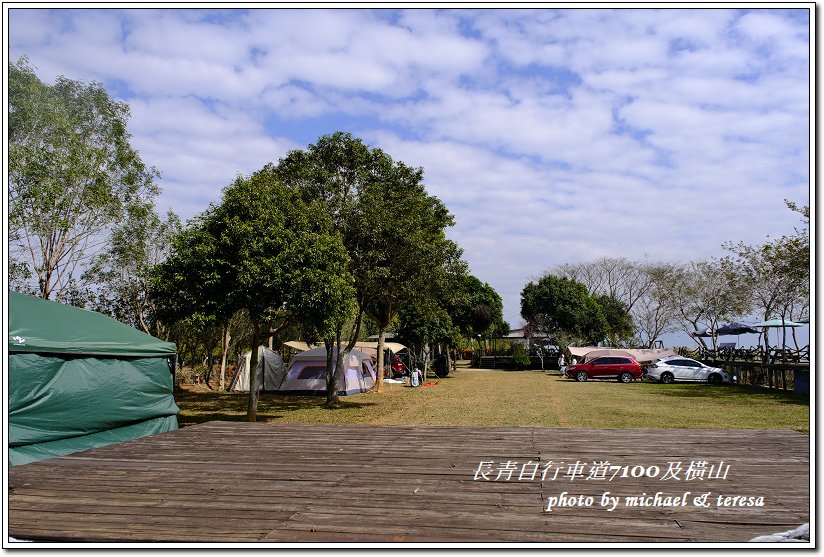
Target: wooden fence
(757, 366)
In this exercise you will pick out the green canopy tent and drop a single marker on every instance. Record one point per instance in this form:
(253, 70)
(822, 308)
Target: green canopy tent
(79, 380)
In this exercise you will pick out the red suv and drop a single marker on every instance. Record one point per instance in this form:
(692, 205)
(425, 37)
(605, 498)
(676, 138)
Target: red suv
(623, 368)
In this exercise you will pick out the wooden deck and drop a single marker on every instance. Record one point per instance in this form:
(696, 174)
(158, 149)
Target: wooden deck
(241, 482)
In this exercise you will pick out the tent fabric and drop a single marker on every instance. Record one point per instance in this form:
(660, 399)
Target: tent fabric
(298, 345)
(51, 397)
(393, 346)
(778, 323)
(640, 354)
(306, 374)
(62, 402)
(270, 371)
(61, 447)
(37, 325)
(606, 352)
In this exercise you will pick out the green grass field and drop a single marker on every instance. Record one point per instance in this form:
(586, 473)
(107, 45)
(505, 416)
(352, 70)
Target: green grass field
(528, 398)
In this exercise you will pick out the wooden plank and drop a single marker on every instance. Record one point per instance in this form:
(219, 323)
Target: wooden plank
(227, 481)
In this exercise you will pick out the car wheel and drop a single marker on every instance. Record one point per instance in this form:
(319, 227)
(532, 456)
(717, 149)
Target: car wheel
(625, 377)
(582, 376)
(714, 379)
(667, 377)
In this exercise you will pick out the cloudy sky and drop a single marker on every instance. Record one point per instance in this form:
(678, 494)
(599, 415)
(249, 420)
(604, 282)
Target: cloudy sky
(553, 135)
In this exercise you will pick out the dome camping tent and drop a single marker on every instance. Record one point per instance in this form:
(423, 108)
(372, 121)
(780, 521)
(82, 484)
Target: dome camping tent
(307, 374)
(79, 380)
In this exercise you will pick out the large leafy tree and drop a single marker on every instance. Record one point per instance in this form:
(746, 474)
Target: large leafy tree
(331, 175)
(73, 175)
(426, 317)
(187, 288)
(391, 228)
(402, 248)
(478, 312)
(254, 251)
(321, 296)
(564, 309)
(619, 326)
(617, 277)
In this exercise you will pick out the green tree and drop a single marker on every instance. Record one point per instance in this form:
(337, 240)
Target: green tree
(426, 316)
(424, 322)
(187, 287)
(619, 326)
(331, 175)
(565, 309)
(245, 254)
(617, 277)
(520, 356)
(120, 275)
(479, 311)
(72, 176)
(321, 296)
(399, 234)
(391, 228)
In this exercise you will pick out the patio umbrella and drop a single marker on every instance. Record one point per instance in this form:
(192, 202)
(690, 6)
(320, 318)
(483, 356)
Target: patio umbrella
(775, 323)
(730, 329)
(735, 329)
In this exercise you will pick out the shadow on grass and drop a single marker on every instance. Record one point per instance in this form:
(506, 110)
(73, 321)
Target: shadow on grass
(199, 407)
(720, 392)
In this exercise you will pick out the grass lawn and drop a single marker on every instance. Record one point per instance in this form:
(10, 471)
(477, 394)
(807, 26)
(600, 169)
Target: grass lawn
(526, 398)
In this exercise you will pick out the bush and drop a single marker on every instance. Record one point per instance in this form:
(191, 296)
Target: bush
(520, 357)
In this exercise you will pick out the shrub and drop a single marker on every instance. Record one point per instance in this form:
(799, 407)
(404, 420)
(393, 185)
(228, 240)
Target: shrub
(520, 357)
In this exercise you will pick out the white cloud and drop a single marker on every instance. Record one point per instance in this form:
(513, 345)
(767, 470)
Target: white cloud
(552, 135)
(761, 26)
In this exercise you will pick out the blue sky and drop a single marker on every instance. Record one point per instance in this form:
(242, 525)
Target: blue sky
(553, 135)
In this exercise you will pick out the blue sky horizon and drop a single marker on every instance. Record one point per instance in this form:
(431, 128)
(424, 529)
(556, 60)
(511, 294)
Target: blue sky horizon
(553, 135)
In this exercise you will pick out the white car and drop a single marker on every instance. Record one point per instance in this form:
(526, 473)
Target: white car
(677, 368)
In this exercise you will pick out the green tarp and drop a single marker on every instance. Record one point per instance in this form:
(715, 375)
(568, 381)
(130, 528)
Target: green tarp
(37, 325)
(79, 380)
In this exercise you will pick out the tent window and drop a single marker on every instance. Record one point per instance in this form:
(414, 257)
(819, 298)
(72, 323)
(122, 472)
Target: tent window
(365, 370)
(312, 372)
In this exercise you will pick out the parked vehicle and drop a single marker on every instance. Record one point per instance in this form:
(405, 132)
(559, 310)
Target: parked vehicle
(625, 369)
(677, 368)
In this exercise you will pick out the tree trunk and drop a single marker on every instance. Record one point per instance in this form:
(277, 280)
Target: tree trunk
(211, 364)
(334, 365)
(251, 412)
(381, 362)
(225, 338)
